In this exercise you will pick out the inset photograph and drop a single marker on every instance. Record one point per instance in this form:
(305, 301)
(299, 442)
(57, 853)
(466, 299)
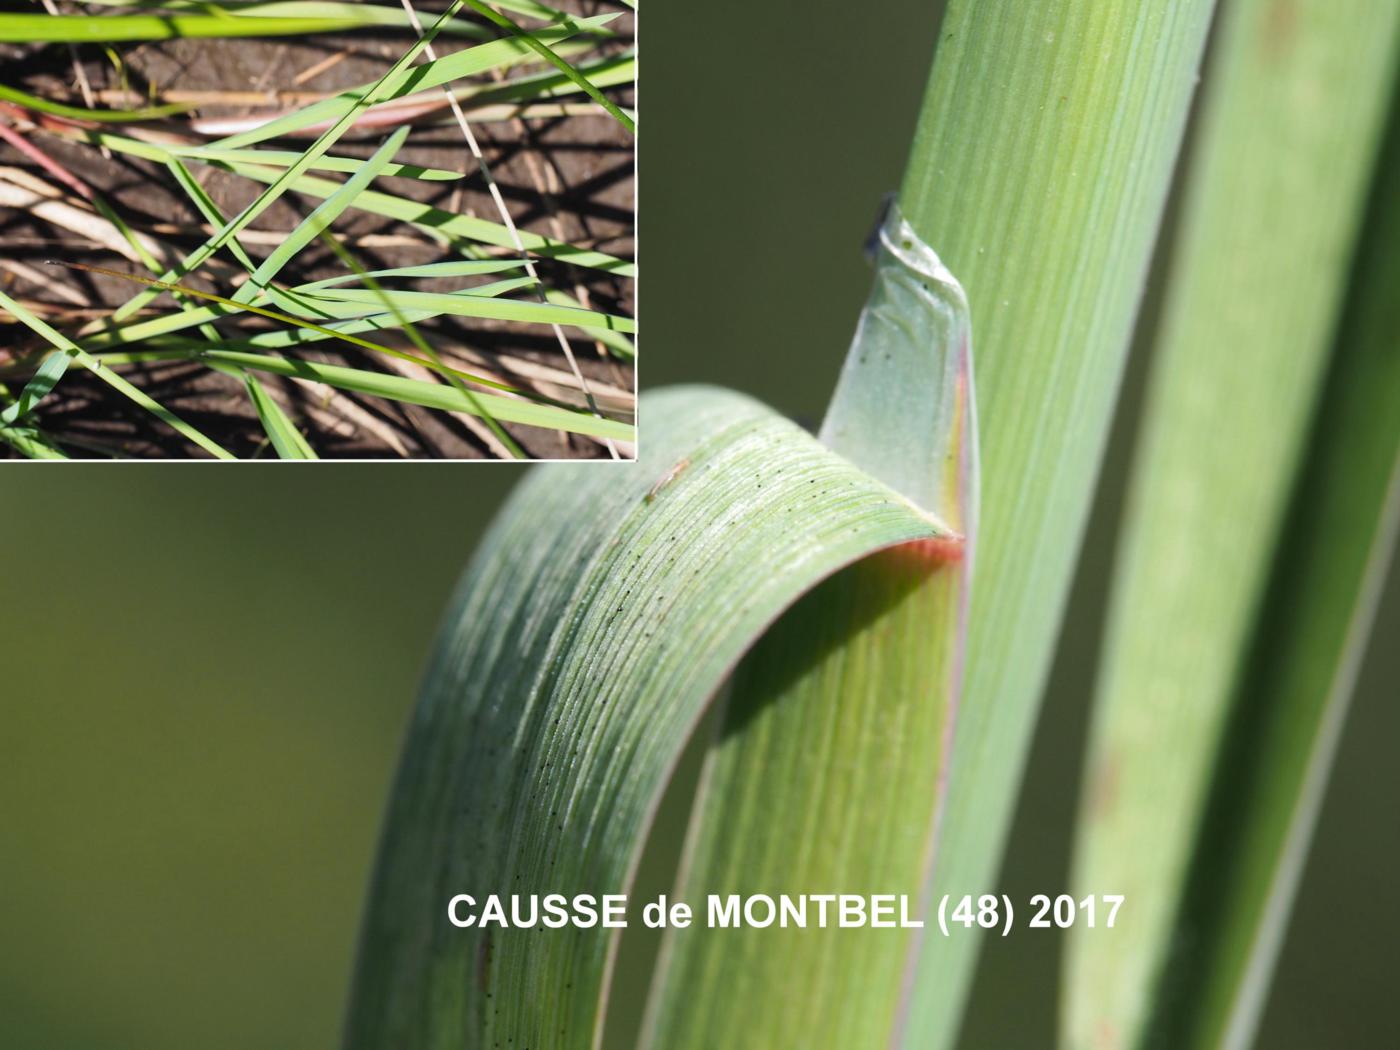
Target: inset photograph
(399, 229)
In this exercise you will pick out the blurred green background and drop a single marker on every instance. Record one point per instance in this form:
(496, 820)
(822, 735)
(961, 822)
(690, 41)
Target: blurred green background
(205, 672)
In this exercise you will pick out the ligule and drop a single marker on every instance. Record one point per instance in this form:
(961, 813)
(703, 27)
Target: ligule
(826, 774)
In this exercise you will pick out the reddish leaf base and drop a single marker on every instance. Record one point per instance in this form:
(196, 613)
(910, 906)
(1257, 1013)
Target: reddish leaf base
(930, 553)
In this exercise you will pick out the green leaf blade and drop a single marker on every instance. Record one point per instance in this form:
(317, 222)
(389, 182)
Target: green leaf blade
(1235, 605)
(828, 771)
(322, 216)
(406, 80)
(281, 431)
(79, 29)
(472, 303)
(429, 395)
(1039, 172)
(595, 623)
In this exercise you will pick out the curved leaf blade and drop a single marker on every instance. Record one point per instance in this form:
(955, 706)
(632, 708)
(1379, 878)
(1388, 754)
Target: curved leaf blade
(828, 772)
(599, 616)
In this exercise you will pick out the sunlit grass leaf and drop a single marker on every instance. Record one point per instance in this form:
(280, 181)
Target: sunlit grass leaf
(43, 105)
(54, 365)
(343, 111)
(601, 72)
(369, 302)
(30, 442)
(44, 379)
(348, 309)
(77, 29)
(429, 395)
(165, 152)
(466, 229)
(406, 79)
(364, 13)
(451, 268)
(538, 45)
(195, 190)
(311, 227)
(615, 341)
(470, 304)
(286, 158)
(285, 438)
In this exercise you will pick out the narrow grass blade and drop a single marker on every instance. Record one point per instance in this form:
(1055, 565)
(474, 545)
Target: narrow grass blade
(361, 15)
(190, 317)
(469, 230)
(362, 298)
(286, 158)
(393, 388)
(540, 47)
(404, 80)
(430, 395)
(324, 309)
(605, 72)
(279, 339)
(164, 153)
(58, 109)
(466, 228)
(206, 207)
(54, 366)
(281, 431)
(343, 110)
(325, 213)
(109, 29)
(45, 378)
(452, 268)
(596, 621)
(614, 341)
(155, 328)
(1293, 114)
(467, 304)
(30, 443)
(504, 441)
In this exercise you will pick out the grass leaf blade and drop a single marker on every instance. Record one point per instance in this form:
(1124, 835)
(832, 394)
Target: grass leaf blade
(839, 719)
(1222, 452)
(281, 431)
(617, 640)
(1054, 263)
